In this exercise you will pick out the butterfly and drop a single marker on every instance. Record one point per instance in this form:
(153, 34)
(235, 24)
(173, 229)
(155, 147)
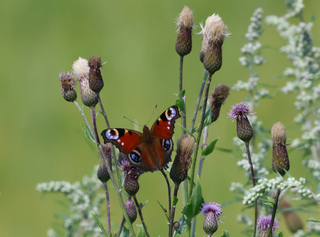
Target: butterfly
(150, 150)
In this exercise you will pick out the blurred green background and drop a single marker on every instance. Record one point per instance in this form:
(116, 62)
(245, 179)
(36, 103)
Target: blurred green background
(41, 137)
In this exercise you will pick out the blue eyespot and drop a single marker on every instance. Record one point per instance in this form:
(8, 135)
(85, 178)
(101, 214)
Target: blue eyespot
(135, 157)
(166, 145)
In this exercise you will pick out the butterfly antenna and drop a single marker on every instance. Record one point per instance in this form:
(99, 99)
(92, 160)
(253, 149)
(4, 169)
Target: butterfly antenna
(132, 121)
(152, 114)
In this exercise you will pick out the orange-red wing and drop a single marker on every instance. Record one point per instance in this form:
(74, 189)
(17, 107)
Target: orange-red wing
(164, 125)
(125, 139)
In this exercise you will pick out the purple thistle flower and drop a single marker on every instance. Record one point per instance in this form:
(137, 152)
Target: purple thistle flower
(211, 207)
(264, 223)
(239, 111)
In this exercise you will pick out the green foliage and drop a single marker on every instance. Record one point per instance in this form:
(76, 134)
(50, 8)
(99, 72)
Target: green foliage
(209, 149)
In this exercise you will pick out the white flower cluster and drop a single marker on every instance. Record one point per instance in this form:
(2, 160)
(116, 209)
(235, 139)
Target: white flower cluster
(84, 201)
(244, 219)
(266, 185)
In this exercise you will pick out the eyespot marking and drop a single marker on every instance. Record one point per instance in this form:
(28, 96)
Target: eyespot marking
(171, 113)
(112, 134)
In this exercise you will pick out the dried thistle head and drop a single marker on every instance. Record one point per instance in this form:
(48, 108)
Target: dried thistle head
(280, 159)
(81, 70)
(131, 176)
(180, 166)
(214, 33)
(291, 218)
(67, 84)
(184, 39)
(95, 78)
(216, 99)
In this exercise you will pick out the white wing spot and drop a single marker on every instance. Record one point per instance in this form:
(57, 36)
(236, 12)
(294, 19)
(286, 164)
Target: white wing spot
(119, 140)
(122, 143)
(168, 127)
(169, 123)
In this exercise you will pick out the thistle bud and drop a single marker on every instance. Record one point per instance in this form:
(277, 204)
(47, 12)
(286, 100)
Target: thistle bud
(212, 212)
(81, 69)
(216, 99)
(240, 112)
(176, 225)
(184, 39)
(103, 174)
(291, 218)
(263, 224)
(180, 166)
(131, 176)
(67, 85)
(131, 210)
(280, 159)
(95, 78)
(214, 33)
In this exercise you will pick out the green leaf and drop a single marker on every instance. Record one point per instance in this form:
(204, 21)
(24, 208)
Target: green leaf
(280, 234)
(99, 224)
(187, 131)
(164, 211)
(125, 232)
(209, 149)
(183, 226)
(141, 232)
(207, 120)
(225, 234)
(195, 130)
(180, 104)
(175, 201)
(87, 132)
(193, 207)
(181, 94)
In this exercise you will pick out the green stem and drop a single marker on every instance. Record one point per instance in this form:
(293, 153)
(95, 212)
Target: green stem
(140, 214)
(194, 161)
(274, 212)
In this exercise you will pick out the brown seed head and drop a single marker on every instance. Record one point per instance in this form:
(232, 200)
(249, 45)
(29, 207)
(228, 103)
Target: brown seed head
(291, 218)
(67, 85)
(280, 159)
(95, 78)
(216, 99)
(180, 166)
(214, 33)
(81, 69)
(184, 39)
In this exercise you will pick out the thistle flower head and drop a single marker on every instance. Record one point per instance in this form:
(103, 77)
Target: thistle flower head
(239, 112)
(214, 33)
(103, 174)
(81, 69)
(184, 39)
(212, 211)
(216, 99)
(95, 78)
(67, 85)
(131, 210)
(280, 158)
(264, 224)
(180, 166)
(131, 176)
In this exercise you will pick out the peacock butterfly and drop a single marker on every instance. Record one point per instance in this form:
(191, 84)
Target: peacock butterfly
(150, 150)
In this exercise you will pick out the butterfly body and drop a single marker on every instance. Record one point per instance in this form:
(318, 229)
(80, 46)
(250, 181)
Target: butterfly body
(150, 150)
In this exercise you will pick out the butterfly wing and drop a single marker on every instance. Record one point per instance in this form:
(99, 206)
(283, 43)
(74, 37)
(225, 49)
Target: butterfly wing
(125, 140)
(164, 125)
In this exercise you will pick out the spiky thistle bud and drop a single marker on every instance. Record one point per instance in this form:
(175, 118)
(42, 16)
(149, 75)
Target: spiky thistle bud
(131, 210)
(81, 69)
(131, 176)
(103, 174)
(291, 218)
(67, 85)
(184, 39)
(280, 159)
(263, 224)
(212, 212)
(214, 33)
(240, 113)
(95, 78)
(180, 166)
(216, 99)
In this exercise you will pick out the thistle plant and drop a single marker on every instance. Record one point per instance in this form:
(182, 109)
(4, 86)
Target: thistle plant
(252, 142)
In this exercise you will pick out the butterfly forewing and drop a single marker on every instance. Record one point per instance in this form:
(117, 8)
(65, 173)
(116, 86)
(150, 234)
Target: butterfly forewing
(164, 125)
(125, 139)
